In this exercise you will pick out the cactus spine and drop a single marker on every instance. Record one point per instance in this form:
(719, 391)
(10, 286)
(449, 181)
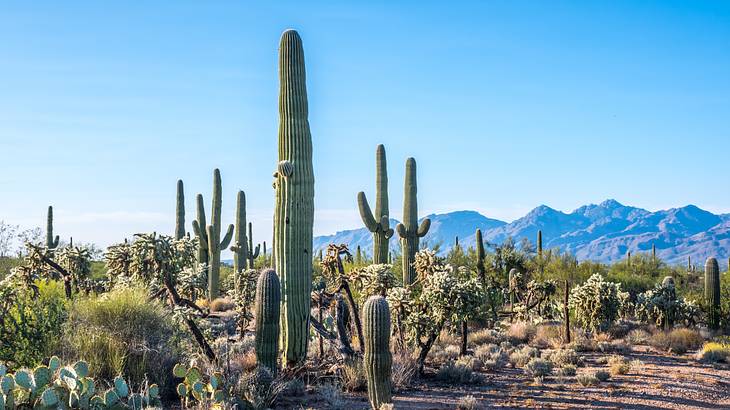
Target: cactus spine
(252, 253)
(51, 241)
(180, 211)
(378, 224)
(409, 231)
(240, 247)
(209, 236)
(377, 360)
(268, 306)
(712, 293)
(294, 211)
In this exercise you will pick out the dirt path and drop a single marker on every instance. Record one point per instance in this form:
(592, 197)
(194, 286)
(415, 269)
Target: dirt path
(664, 382)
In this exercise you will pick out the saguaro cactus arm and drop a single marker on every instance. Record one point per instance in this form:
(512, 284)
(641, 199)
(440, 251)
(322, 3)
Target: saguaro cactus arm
(424, 227)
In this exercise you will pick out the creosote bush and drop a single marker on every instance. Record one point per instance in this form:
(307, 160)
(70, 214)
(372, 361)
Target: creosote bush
(677, 341)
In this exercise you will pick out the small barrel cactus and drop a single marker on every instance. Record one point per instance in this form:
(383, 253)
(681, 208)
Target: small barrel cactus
(268, 306)
(378, 360)
(712, 292)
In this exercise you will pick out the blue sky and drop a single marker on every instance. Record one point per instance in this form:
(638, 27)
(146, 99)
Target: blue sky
(505, 105)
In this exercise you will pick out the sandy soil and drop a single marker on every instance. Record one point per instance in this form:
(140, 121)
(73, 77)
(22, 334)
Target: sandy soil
(665, 382)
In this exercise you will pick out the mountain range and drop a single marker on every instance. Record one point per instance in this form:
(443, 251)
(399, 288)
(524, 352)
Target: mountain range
(603, 232)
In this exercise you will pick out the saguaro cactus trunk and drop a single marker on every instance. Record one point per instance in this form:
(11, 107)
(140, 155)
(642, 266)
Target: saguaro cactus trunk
(712, 293)
(268, 312)
(378, 359)
(180, 211)
(240, 247)
(294, 211)
(409, 231)
(379, 223)
(51, 241)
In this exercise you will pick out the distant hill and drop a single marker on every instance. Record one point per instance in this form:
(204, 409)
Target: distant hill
(603, 232)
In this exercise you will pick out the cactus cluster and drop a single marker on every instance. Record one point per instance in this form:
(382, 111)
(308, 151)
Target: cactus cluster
(294, 209)
(268, 310)
(409, 231)
(195, 389)
(51, 241)
(378, 223)
(68, 387)
(378, 360)
(209, 236)
(712, 292)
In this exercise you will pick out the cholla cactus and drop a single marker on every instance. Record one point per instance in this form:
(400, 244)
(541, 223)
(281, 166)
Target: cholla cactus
(596, 303)
(374, 279)
(661, 306)
(70, 387)
(196, 389)
(77, 262)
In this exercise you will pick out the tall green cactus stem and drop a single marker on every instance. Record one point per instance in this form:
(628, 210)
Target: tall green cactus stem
(689, 263)
(481, 268)
(539, 243)
(51, 241)
(379, 223)
(180, 211)
(628, 258)
(377, 359)
(358, 256)
(252, 253)
(669, 313)
(212, 243)
(409, 231)
(268, 313)
(294, 211)
(240, 246)
(456, 242)
(653, 253)
(712, 293)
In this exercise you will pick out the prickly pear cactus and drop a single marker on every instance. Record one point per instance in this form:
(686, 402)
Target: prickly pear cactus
(180, 211)
(209, 237)
(379, 223)
(294, 211)
(196, 389)
(712, 293)
(268, 311)
(409, 231)
(51, 241)
(377, 360)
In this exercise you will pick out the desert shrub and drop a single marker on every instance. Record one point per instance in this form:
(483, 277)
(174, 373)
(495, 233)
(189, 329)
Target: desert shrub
(520, 332)
(404, 370)
(352, 376)
(453, 372)
(31, 322)
(714, 352)
(677, 341)
(491, 356)
(538, 367)
(221, 305)
(441, 355)
(581, 342)
(520, 358)
(475, 363)
(618, 365)
(547, 335)
(484, 336)
(122, 332)
(602, 375)
(637, 366)
(332, 396)
(295, 388)
(596, 303)
(259, 389)
(567, 370)
(587, 379)
(468, 403)
(637, 337)
(614, 346)
(562, 357)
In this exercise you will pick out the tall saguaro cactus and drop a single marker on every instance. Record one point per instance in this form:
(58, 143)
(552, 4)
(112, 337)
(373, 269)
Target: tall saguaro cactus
(378, 360)
(294, 211)
(252, 253)
(268, 312)
(379, 223)
(180, 211)
(481, 269)
(240, 246)
(712, 292)
(539, 243)
(51, 241)
(209, 236)
(409, 231)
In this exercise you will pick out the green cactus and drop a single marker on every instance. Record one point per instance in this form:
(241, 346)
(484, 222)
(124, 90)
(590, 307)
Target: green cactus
(539, 243)
(209, 237)
(294, 211)
(180, 211)
(409, 231)
(51, 241)
(268, 311)
(358, 256)
(252, 253)
(653, 253)
(689, 263)
(240, 246)
(195, 389)
(669, 311)
(628, 258)
(377, 360)
(712, 293)
(378, 224)
(481, 268)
